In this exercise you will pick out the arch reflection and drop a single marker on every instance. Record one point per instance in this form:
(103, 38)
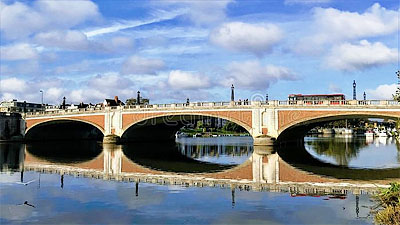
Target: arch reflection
(167, 157)
(66, 151)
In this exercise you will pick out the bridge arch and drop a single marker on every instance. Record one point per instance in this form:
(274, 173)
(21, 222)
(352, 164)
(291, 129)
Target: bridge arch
(171, 123)
(298, 127)
(59, 123)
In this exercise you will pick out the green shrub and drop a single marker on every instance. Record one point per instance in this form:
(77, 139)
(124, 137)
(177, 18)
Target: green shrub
(388, 207)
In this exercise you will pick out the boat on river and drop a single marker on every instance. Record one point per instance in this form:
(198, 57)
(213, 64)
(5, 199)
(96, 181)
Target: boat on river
(369, 134)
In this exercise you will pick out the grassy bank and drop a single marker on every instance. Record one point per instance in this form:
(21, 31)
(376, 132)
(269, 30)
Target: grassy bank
(388, 207)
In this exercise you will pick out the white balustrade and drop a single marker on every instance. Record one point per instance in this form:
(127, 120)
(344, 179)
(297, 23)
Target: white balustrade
(191, 105)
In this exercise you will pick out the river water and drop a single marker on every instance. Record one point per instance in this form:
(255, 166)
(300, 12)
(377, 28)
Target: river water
(224, 180)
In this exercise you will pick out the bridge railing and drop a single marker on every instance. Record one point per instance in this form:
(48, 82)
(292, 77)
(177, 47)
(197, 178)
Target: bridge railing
(239, 104)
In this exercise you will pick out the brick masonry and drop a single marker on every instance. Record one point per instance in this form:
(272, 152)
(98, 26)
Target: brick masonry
(97, 120)
(241, 117)
(289, 118)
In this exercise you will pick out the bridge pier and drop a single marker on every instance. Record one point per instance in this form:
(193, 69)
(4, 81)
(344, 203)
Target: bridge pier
(264, 140)
(111, 139)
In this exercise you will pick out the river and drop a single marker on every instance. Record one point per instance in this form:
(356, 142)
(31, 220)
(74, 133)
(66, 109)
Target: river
(223, 180)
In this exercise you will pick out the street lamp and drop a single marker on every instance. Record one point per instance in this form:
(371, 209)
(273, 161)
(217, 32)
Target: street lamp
(41, 91)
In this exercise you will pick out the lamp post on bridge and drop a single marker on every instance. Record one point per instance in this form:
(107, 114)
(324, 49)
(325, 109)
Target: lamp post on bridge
(41, 91)
(63, 103)
(138, 98)
(232, 93)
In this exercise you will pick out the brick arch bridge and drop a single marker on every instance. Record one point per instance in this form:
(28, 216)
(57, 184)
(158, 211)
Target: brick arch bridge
(264, 121)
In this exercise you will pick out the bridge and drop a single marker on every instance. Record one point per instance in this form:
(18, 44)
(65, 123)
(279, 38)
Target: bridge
(265, 121)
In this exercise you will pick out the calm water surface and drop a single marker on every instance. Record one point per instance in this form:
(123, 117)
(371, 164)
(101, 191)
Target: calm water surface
(353, 151)
(51, 197)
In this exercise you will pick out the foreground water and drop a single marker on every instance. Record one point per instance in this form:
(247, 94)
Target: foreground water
(196, 181)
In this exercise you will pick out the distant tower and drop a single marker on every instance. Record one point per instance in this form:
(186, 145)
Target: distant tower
(354, 90)
(266, 98)
(138, 98)
(232, 93)
(365, 96)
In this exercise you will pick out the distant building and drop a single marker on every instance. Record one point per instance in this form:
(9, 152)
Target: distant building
(113, 102)
(16, 106)
(133, 101)
(52, 108)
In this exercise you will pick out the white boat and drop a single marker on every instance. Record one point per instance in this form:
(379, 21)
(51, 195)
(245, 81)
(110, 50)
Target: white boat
(369, 133)
(382, 133)
(347, 131)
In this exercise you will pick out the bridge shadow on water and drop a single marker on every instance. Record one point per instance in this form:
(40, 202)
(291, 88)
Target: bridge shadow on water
(65, 152)
(298, 157)
(165, 156)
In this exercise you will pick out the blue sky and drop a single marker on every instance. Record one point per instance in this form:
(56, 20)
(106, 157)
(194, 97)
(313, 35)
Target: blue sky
(173, 50)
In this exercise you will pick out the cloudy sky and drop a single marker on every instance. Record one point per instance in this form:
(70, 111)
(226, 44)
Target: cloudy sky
(173, 50)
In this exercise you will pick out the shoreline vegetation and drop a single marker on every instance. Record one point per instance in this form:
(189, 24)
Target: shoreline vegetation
(387, 210)
(205, 130)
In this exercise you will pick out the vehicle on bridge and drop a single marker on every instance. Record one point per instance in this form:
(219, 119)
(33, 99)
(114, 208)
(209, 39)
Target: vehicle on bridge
(317, 99)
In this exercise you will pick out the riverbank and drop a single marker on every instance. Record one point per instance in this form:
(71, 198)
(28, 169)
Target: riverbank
(202, 133)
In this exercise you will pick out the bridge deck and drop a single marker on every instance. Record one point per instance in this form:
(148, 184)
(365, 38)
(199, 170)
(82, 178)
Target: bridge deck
(359, 104)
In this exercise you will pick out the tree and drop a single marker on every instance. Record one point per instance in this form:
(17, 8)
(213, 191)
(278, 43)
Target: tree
(396, 96)
(229, 126)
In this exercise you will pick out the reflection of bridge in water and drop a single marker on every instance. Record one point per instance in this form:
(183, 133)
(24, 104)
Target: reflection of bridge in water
(263, 171)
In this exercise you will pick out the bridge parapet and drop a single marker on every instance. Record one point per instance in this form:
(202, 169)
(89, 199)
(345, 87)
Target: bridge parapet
(229, 105)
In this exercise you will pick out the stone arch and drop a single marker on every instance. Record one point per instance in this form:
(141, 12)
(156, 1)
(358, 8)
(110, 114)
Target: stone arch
(325, 116)
(128, 126)
(63, 121)
(240, 123)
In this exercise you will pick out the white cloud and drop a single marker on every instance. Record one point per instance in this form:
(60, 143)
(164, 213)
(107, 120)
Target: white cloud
(109, 82)
(364, 55)
(138, 65)
(186, 80)
(19, 20)
(54, 94)
(121, 43)
(68, 39)
(207, 12)
(334, 24)
(13, 85)
(94, 89)
(238, 36)
(254, 76)
(20, 51)
(309, 2)
(199, 12)
(158, 16)
(384, 91)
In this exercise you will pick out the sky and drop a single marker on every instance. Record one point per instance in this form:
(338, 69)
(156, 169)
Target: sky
(173, 50)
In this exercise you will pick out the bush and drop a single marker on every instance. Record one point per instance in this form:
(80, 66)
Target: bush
(388, 205)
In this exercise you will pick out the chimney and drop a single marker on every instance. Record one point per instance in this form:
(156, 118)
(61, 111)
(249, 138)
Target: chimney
(116, 99)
